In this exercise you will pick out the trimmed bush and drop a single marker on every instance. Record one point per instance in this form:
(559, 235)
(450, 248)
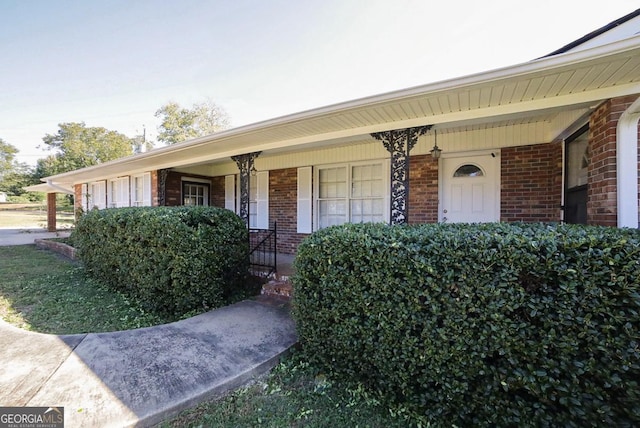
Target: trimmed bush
(173, 259)
(479, 325)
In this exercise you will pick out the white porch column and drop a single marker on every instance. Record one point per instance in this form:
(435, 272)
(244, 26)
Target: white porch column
(627, 166)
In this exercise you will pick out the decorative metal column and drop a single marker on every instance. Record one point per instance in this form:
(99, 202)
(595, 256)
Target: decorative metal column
(245, 165)
(162, 187)
(399, 143)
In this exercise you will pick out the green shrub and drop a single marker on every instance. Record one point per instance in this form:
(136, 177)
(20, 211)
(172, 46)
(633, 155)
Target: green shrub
(495, 324)
(173, 259)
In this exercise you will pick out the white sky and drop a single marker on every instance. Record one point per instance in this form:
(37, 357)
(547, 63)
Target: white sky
(113, 63)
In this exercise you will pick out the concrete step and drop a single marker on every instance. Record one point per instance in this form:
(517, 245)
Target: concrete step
(275, 287)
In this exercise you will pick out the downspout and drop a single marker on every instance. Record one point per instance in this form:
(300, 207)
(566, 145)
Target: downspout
(627, 166)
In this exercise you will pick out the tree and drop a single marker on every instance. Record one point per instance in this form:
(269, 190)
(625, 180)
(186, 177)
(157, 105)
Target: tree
(180, 124)
(14, 176)
(7, 155)
(77, 146)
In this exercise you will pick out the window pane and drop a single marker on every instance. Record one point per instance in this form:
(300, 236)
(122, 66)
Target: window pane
(333, 183)
(468, 171)
(366, 181)
(332, 213)
(577, 161)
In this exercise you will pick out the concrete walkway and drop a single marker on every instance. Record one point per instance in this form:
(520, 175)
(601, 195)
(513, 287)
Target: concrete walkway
(25, 236)
(142, 377)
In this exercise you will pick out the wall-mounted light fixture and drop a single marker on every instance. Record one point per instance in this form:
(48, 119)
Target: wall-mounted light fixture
(436, 151)
(253, 171)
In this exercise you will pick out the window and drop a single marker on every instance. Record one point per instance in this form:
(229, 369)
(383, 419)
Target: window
(576, 176)
(350, 193)
(468, 171)
(195, 193)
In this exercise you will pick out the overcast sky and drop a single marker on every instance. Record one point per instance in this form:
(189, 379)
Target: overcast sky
(113, 63)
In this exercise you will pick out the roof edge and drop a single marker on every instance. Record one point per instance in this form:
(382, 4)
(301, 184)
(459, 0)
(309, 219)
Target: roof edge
(594, 34)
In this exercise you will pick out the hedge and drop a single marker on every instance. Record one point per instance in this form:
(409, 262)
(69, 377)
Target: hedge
(172, 259)
(481, 325)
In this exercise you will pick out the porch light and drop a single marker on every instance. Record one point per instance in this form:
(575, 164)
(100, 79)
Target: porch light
(253, 171)
(436, 151)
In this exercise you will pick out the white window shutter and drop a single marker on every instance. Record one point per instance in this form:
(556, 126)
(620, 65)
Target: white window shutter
(262, 200)
(230, 192)
(146, 190)
(386, 167)
(305, 200)
(124, 195)
(84, 189)
(100, 198)
(109, 196)
(132, 192)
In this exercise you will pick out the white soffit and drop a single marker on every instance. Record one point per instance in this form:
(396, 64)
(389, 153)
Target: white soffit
(517, 94)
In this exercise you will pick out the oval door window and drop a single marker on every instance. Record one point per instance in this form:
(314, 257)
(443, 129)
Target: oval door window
(468, 170)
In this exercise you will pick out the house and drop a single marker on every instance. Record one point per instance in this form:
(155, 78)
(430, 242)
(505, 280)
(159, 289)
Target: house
(554, 139)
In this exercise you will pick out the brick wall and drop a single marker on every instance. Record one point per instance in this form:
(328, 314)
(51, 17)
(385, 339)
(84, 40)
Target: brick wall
(423, 189)
(283, 208)
(155, 196)
(531, 183)
(217, 192)
(173, 187)
(602, 193)
(78, 199)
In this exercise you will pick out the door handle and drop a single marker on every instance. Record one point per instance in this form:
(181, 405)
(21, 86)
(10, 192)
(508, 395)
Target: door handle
(444, 211)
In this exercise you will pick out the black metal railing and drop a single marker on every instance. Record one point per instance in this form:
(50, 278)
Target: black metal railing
(262, 251)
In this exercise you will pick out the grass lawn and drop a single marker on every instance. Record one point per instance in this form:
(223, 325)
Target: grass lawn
(41, 291)
(292, 395)
(31, 215)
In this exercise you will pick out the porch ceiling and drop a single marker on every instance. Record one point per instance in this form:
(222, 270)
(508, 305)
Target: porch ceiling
(534, 91)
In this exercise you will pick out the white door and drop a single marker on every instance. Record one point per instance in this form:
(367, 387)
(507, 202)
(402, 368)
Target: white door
(470, 191)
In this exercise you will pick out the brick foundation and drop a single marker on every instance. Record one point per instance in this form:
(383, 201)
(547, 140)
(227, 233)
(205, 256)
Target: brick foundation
(531, 183)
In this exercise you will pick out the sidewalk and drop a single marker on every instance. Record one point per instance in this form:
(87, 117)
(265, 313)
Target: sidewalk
(25, 236)
(142, 377)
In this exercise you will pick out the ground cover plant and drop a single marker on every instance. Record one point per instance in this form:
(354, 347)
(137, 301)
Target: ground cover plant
(294, 394)
(41, 291)
(488, 325)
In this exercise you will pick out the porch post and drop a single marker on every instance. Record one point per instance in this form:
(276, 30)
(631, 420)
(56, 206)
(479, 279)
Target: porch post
(162, 187)
(627, 166)
(245, 165)
(51, 212)
(399, 143)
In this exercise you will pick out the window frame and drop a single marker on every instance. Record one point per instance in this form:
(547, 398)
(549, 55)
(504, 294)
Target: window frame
(384, 197)
(206, 194)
